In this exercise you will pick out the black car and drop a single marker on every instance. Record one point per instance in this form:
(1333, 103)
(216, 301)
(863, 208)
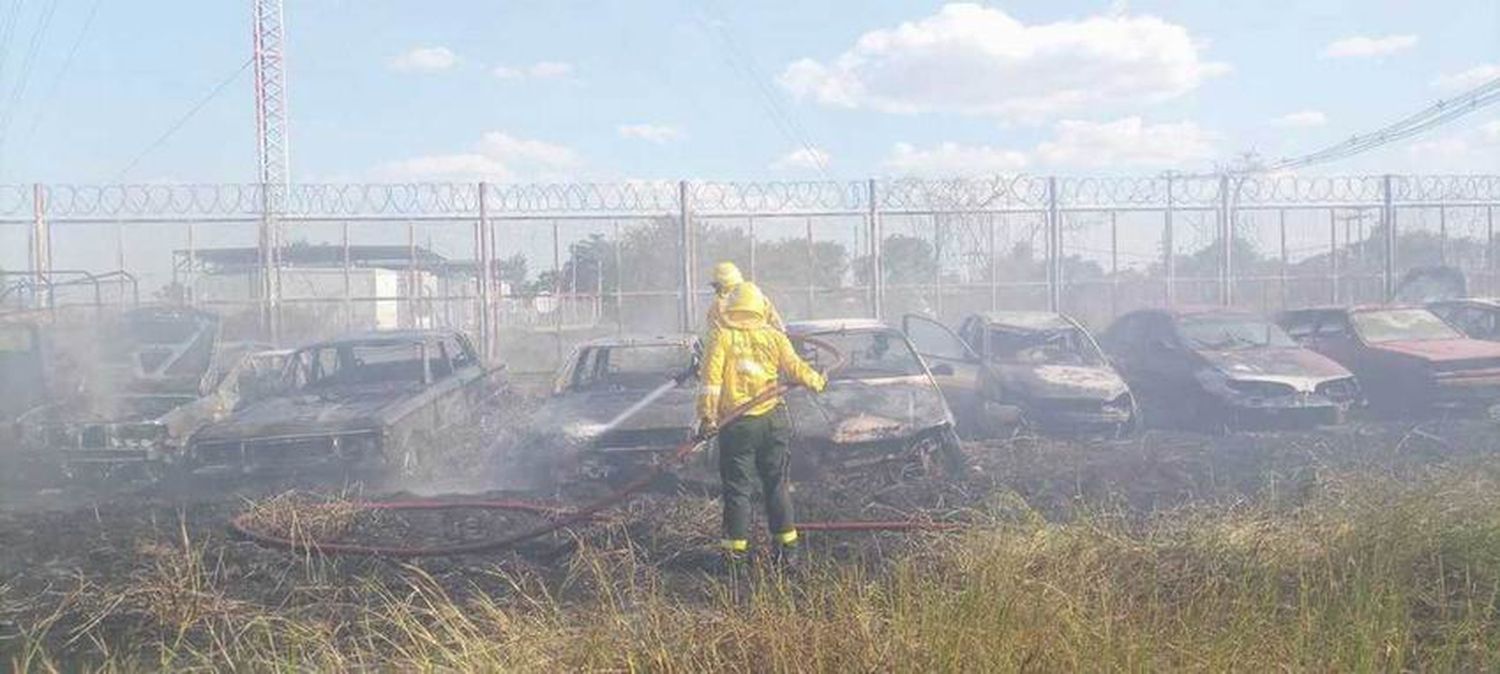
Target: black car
(1220, 367)
(374, 400)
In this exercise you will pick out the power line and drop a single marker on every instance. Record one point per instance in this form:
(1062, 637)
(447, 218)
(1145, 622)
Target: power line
(181, 121)
(744, 64)
(62, 73)
(19, 89)
(1431, 117)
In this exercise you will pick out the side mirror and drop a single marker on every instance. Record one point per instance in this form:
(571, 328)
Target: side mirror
(943, 369)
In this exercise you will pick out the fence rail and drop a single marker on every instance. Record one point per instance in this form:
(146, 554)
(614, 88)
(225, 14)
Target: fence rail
(508, 262)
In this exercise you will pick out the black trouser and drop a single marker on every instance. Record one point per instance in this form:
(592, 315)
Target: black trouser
(756, 446)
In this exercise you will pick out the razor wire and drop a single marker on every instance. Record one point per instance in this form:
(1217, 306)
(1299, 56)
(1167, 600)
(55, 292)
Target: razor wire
(661, 197)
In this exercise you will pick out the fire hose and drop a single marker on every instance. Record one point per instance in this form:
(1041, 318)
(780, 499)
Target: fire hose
(559, 518)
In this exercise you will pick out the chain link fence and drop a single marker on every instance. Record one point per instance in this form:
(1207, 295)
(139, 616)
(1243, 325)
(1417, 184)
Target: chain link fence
(529, 270)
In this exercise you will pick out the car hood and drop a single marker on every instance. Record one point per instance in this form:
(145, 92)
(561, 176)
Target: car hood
(1275, 364)
(337, 410)
(1440, 350)
(851, 411)
(1061, 381)
(577, 413)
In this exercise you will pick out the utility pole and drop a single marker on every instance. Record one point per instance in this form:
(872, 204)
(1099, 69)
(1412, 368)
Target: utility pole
(272, 148)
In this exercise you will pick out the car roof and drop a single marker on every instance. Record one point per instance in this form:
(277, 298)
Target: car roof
(405, 335)
(1195, 310)
(1030, 320)
(1357, 308)
(827, 325)
(1490, 302)
(676, 339)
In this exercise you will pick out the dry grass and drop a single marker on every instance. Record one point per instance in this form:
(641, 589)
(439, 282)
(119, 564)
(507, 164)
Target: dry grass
(1370, 575)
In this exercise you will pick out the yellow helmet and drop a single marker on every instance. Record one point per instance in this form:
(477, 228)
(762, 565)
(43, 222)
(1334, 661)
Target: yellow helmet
(745, 307)
(727, 276)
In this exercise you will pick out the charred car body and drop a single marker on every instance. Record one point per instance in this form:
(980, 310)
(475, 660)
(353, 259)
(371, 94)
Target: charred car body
(620, 404)
(1041, 368)
(23, 373)
(882, 406)
(164, 375)
(1477, 317)
(374, 400)
(1406, 358)
(1221, 367)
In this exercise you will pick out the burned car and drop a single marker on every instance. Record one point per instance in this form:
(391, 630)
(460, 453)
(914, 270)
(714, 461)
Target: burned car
(377, 400)
(1477, 317)
(1007, 367)
(1218, 368)
(618, 405)
(882, 407)
(164, 375)
(1406, 358)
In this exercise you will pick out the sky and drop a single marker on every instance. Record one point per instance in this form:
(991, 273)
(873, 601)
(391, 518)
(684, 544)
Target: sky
(611, 90)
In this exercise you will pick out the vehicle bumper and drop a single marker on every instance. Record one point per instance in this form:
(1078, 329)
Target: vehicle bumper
(347, 449)
(1302, 409)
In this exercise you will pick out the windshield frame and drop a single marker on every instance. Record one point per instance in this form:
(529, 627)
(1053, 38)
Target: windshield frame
(1360, 328)
(1276, 337)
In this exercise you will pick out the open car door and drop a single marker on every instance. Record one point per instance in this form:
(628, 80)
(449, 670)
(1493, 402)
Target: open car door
(953, 364)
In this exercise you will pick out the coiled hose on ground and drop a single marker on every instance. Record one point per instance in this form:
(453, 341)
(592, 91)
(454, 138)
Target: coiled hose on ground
(559, 518)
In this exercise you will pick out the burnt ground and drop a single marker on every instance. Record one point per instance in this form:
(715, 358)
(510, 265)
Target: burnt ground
(72, 554)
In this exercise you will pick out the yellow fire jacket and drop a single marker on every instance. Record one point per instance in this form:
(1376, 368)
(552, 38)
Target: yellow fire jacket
(720, 304)
(742, 363)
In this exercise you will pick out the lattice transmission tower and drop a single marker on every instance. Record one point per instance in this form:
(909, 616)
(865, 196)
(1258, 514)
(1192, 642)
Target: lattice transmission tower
(271, 96)
(272, 150)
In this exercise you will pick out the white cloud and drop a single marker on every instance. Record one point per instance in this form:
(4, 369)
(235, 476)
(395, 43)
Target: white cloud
(1362, 46)
(652, 133)
(979, 60)
(1470, 151)
(424, 59)
(1467, 79)
(1300, 119)
(802, 158)
(1126, 142)
(951, 159)
(498, 156)
(541, 70)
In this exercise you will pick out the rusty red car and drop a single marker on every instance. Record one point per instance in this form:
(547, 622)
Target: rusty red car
(1407, 359)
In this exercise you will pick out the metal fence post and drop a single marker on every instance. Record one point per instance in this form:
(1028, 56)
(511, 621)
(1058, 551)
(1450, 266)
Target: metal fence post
(1054, 243)
(486, 275)
(348, 281)
(1489, 246)
(812, 271)
(877, 246)
(1114, 264)
(685, 255)
(1442, 235)
(1169, 261)
(994, 271)
(1388, 233)
(40, 255)
(1333, 254)
(1226, 243)
(1281, 275)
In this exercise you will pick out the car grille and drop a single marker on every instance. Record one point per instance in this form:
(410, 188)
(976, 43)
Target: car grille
(1339, 390)
(287, 451)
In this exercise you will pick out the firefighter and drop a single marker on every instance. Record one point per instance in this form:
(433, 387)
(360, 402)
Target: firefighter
(746, 357)
(727, 281)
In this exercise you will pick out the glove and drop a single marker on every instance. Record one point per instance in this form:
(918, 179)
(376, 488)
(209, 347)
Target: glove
(706, 427)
